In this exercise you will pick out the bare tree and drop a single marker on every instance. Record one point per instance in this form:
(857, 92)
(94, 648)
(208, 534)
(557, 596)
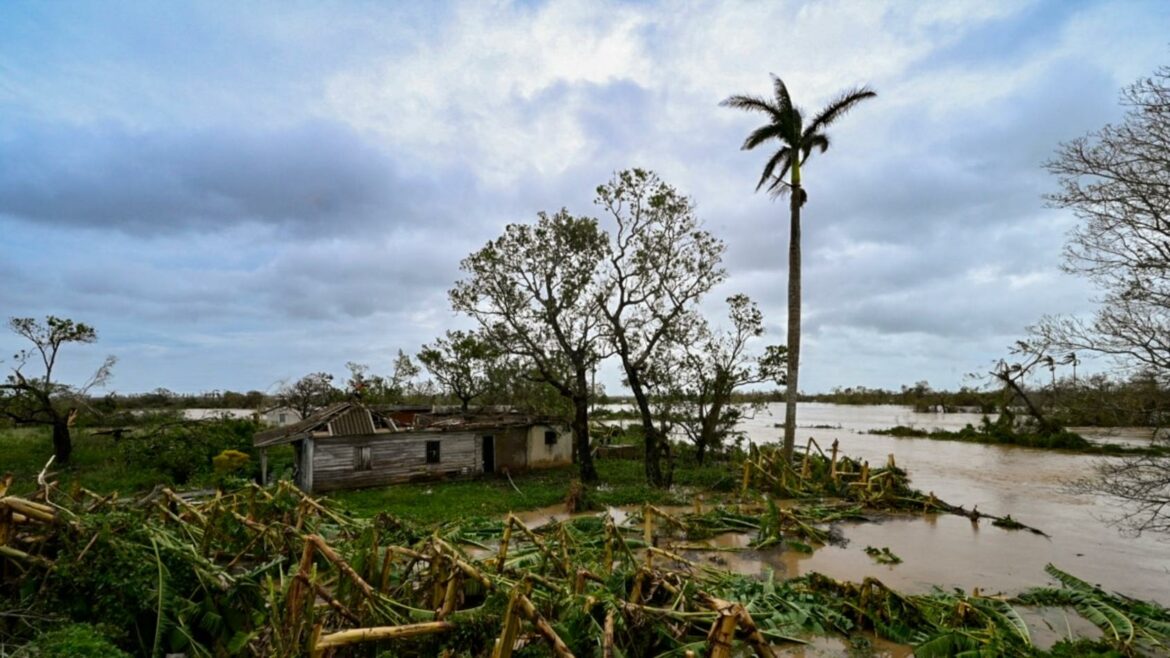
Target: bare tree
(534, 293)
(39, 399)
(660, 265)
(1117, 182)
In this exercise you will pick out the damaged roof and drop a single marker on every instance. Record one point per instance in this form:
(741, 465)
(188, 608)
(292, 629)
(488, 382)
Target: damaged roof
(352, 418)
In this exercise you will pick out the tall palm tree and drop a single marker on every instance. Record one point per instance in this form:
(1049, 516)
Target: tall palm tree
(796, 142)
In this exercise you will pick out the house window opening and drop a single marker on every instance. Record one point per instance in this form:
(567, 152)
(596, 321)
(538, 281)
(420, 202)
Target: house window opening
(550, 438)
(361, 459)
(432, 452)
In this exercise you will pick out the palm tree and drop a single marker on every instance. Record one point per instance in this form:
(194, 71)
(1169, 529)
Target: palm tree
(797, 142)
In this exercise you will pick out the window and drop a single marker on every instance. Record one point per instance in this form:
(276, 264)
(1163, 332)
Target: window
(282, 419)
(361, 458)
(550, 438)
(432, 452)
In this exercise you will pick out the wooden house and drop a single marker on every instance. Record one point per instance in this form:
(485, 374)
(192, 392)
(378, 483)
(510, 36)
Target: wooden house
(348, 445)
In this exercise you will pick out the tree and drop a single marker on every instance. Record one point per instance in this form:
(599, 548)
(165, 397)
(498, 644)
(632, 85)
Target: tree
(660, 266)
(308, 394)
(796, 143)
(1013, 375)
(1117, 182)
(402, 377)
(39, 399)
(534, 293)
(394, 389)
(462, 362)
(710, 367)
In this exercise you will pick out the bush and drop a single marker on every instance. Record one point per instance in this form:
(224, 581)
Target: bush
(72, 641)
(184, 451)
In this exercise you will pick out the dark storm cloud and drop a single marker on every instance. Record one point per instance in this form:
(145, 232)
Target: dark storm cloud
(312, 177)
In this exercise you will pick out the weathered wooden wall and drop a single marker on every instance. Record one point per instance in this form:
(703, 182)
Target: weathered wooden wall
(393, 458)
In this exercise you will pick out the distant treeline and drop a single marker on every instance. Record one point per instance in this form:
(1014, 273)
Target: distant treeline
(1097, 400)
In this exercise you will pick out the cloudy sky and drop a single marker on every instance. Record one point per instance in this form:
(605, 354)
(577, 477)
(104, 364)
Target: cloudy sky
(237, 194)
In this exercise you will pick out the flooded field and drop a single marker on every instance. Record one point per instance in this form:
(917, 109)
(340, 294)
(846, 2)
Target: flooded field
(950, 551)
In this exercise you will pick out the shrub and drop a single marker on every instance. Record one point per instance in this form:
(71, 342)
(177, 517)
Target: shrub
(72, 641)
(184, 451)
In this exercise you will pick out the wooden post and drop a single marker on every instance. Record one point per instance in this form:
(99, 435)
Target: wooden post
(307, 466)
(264, 467)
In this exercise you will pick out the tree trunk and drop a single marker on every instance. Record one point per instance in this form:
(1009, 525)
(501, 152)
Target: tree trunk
(793, 318)
(62, 443)
(650, 437)
(581, 432)
(710, 428)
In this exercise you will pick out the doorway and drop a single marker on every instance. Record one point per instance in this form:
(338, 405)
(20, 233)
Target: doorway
(489, 454)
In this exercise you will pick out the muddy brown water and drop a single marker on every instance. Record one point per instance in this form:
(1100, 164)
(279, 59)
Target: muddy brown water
(949, 551)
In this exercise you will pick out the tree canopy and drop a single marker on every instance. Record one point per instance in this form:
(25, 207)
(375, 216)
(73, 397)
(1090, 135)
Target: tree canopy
(535, 294)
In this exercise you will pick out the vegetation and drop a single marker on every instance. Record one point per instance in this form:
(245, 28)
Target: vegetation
(700, 378)
(309, 393)
(164, 451)
(463, 363)
(273, 572)
(797, 142)
(625, 484)
(1115, 181)
(534, 294)
(39, 399)
(660, 265)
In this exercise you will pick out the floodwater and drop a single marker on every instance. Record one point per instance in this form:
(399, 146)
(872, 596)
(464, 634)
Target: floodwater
(950, 551)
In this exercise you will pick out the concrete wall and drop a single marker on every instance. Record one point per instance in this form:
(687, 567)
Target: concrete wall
(542, 455)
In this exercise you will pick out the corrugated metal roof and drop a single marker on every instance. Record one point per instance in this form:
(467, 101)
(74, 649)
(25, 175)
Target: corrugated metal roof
(354, 421)
(301, 429)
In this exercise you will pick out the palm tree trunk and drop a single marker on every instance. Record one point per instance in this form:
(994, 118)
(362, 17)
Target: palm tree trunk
(793, 318)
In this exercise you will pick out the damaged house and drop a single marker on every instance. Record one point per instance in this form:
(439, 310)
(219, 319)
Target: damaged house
(349, 445)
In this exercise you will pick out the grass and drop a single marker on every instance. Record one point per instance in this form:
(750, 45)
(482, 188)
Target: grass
(623, 483)
(96, 463)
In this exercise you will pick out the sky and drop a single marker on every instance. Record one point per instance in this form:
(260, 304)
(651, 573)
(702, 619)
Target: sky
(238, 194)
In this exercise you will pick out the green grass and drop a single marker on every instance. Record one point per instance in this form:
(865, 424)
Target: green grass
(623, 483)
(96, 463)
